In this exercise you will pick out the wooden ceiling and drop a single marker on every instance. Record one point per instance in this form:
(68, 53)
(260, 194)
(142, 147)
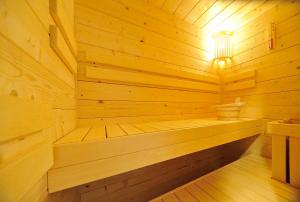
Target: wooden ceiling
(215, 14)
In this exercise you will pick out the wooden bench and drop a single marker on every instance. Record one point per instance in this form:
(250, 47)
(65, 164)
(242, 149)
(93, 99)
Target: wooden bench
(93, 153)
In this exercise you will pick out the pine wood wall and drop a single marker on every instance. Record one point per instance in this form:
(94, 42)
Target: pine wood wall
(138, 63)
(277, 91)
(37, 92)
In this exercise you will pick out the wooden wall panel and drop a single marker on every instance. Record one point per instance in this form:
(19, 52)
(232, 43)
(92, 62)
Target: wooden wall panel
(137, 63)
(37, 99)
(277, 89)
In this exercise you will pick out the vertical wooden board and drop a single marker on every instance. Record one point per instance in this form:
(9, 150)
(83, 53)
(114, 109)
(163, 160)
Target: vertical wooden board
(58, 44)
(295, 161)
(96, 133)
(20, 117)
(60, 11)
(279, 157)
(18, 176)
(114, 131)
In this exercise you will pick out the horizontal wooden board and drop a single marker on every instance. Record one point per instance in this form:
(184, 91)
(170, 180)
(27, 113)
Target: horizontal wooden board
(90, 109)
(111, 74)
(105, 91)
(240, 85)
(234, 77)
(20, 117)
(15, 176)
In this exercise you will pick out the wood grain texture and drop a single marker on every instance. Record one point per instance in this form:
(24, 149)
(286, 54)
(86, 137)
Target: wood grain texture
(133, 48)
(246, 179)
(37, 99)
(72, 159)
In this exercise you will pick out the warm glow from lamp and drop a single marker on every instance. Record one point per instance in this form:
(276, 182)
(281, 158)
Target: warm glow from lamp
(223, 47)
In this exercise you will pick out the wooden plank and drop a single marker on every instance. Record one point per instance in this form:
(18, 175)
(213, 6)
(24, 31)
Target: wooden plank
(211, 190)
(170, 198)
(59, 11)
(38, 192)
(240, 85)
(93, 108)
(279, 157)
(103, 91)
(146, 127)
(184, 195)
(185, 8)
(114, 131)
(58, 44)
(15, 176)
(233, 77)
(77, 135)
(171, 5)
(110, 74)
(212, 12)
(199, 10)
(96, 133)
(30, 116)
(294, 161)
(199, 194)
(130, 129)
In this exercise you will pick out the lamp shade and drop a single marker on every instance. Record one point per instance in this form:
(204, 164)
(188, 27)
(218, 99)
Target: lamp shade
(223, 45)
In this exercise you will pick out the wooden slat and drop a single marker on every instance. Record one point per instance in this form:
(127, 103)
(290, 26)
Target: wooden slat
(240, 85)
(76, 135)
(185, 7)
(171, 5)
(199, 194)
(96, 133)
(20, 117)
(184, 195)
(170, 198)
(130, 129)
(234, 77)
(199, 10)
(247, 179)
(114, 131)
(279, 157)
(294, 161)
(58, 44)
(146, 127)
(59, 11)
(103, 91)
(105, 73)
(15, 176)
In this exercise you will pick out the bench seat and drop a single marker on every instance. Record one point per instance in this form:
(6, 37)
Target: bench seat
(93, 153)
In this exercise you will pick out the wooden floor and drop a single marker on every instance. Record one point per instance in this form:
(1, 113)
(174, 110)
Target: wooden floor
(248, 179)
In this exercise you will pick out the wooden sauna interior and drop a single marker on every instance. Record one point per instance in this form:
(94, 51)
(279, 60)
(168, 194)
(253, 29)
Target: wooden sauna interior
(116, 100)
